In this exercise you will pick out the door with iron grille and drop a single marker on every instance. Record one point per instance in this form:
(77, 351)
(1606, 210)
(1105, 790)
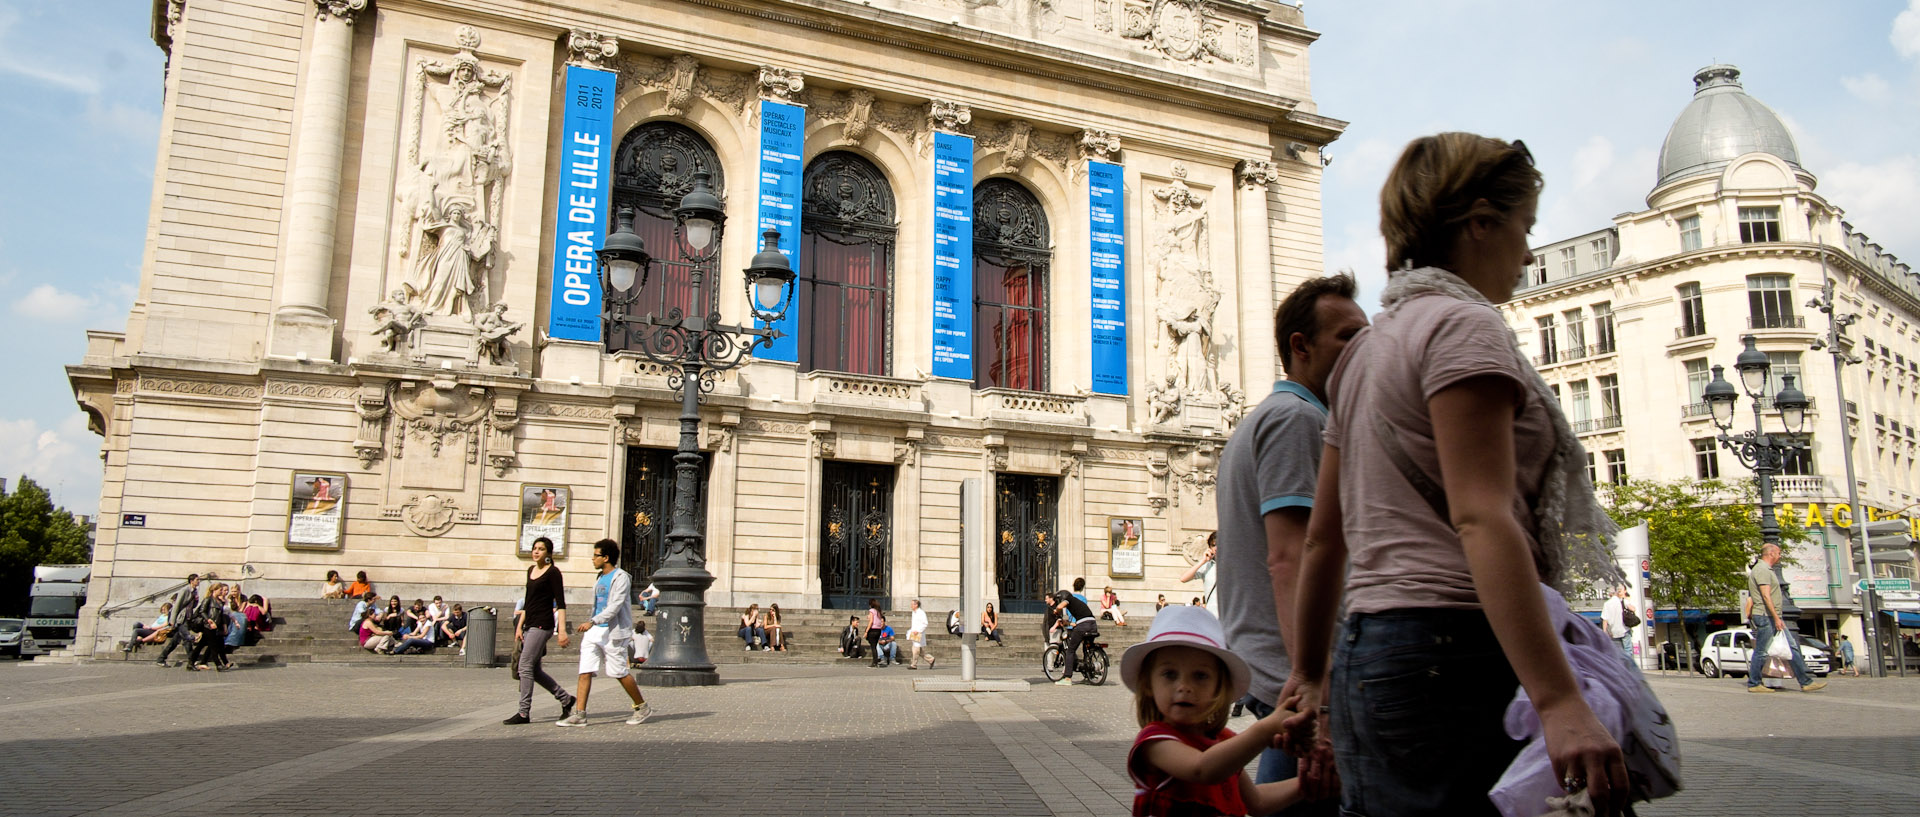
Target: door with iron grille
(1025, 564)
(856, 535)
(649, 512)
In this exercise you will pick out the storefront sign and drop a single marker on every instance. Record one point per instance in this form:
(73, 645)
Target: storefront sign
(316, 510)
(953, 256)
(782, 134)
(1808, 578)
(1840, 515)
(1107, 232)
(580, 207)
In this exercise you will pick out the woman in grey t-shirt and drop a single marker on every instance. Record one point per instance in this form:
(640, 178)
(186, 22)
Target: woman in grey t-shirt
(1441, 445)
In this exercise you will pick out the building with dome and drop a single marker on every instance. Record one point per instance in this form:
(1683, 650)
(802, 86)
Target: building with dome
(1626, 323)
(1038, 243)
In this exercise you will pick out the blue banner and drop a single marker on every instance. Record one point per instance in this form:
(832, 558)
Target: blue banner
(782, 137)
(1107, 231)
(953, 256)
(580, 221)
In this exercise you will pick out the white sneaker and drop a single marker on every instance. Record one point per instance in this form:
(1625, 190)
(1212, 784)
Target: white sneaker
(749, 648)
(640, 714)
(1064, 682)
(578, 718)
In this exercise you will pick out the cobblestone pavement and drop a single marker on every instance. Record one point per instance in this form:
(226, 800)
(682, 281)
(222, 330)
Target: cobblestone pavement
(788, 740)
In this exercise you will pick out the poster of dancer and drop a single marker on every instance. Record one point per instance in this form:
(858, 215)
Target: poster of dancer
(543, 512)
(316, 510)
(1124, 548)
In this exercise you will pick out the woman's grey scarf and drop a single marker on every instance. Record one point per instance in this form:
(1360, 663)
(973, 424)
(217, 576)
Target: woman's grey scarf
(1574, 531)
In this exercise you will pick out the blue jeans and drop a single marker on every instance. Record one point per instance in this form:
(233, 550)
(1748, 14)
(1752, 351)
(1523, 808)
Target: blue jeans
(754, 636)
(414, 645)
(1763, 634)
(1276, 765)
(646, 605)
(1417, 699)
(888, 652)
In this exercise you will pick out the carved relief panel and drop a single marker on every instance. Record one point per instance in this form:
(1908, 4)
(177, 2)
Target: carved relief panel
(428, 438)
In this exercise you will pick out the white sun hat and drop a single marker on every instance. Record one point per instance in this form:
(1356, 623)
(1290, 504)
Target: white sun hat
(1185, 626)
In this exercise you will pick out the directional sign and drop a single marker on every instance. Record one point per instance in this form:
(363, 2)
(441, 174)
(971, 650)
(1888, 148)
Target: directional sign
(1885, 585)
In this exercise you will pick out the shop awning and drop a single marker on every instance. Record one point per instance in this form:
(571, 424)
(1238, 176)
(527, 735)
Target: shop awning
(1904, 619)
(1590, 615)
(1666, 616)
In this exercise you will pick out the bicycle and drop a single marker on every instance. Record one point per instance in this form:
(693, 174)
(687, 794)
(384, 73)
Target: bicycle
(1092, 665)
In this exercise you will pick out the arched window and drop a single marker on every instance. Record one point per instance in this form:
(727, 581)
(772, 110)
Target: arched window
(652, 170)
(1010, 259)
(846, 275)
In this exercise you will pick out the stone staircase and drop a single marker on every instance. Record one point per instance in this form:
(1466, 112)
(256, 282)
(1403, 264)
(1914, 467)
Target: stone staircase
(315, 631)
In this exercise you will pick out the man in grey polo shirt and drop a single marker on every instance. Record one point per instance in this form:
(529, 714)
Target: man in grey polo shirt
(1265, 483)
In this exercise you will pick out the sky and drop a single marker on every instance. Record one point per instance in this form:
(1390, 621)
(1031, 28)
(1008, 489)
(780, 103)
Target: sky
(1591, 88)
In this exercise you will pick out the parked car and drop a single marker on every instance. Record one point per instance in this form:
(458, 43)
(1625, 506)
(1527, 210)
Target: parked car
(15, 640)
(1727, 651)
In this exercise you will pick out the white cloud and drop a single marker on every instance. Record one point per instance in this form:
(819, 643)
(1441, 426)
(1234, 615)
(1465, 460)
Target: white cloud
(1868, 87)
(64, 460)
(1592, 160)
(1906, 31)
(47, 302)
(1877, 197)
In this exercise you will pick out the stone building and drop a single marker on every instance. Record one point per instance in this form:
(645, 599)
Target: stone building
(368, 333)
(1626, 322)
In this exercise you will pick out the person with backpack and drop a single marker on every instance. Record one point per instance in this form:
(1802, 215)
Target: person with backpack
(1614, 615)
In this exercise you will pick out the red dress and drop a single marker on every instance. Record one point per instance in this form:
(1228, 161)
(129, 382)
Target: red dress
(1158, 794)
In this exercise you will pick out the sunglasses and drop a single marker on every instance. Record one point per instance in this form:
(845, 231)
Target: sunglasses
(1524, 153)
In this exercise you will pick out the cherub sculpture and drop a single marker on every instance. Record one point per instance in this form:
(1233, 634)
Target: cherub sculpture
(494, 329)
(394, 320)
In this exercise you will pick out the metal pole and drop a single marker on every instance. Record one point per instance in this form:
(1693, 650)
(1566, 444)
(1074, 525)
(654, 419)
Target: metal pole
(972, 564)
(1765, 463)
(1857, 533)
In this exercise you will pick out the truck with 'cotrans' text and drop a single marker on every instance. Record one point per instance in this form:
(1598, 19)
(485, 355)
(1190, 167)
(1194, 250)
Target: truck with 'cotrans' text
(58, 593)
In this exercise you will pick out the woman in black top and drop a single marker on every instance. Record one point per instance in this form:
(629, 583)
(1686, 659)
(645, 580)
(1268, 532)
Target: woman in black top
(544, 616)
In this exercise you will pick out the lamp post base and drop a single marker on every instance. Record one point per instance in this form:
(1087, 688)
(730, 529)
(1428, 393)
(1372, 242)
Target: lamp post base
(679, 656)
(665, 677)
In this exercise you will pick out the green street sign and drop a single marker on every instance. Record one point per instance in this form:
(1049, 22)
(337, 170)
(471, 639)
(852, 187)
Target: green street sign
(1885, 584)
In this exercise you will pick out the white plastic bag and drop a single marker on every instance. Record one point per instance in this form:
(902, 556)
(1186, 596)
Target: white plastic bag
(1779, 647)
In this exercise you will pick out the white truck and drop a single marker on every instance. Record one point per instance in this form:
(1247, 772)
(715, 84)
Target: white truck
(53, 616)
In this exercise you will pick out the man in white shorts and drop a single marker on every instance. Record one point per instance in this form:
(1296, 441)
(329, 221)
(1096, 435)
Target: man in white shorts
(606, 641)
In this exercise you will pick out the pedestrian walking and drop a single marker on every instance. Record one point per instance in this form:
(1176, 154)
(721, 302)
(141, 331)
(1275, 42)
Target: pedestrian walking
(606, 640)
(1613, 614)
(1765, 592)
(1264, 496)
(186, 605)
(1846, 657)
(543, 616)
(876, 621)
(917, 637)
(1451, 489)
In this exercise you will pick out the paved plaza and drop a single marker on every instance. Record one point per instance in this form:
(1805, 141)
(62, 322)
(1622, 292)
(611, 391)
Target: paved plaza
(120, 739)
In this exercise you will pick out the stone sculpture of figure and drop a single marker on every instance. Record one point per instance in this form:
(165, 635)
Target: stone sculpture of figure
(1163, 400)
(494, 329)
(1187, 295)
(460, 168)
(394, 320)
(444, 280)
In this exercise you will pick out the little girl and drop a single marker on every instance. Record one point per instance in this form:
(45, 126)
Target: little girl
(1186, 762)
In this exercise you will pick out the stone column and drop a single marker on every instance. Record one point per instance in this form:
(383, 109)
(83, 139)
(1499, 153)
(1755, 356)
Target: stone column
(301, 323)
(1259, 359)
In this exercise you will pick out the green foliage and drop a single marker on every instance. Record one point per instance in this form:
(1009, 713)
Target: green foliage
(1702, 535)
(33, 532)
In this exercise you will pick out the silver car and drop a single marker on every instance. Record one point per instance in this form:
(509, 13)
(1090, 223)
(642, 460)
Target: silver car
(1727, 652)
(15, 639)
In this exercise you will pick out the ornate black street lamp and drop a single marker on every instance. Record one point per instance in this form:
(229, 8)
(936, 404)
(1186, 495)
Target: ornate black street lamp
(698, 347)
(1765, 453)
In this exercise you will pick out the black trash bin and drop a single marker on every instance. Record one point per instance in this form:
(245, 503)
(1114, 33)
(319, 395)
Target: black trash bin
(480, 631)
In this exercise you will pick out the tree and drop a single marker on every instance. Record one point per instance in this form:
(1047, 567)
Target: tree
(33, 532)
(1702, 535)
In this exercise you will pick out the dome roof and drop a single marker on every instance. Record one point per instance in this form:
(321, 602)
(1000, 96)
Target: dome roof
(1721, 124)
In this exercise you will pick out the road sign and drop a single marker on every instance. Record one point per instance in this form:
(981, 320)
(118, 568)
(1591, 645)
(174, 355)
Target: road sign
(1900, 600)
(1646, 565)
(1885, 585)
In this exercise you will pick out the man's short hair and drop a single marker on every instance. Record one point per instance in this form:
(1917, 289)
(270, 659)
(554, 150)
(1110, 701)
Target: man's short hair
(609, 549)
(1079, 584)
(192, 577)
(1300, 312)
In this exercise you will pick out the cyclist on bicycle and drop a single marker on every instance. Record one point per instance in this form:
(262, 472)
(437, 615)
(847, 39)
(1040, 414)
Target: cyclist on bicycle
(1075, 609)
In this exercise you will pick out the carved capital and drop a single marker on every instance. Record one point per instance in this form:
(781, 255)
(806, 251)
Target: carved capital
(344, 10)
(997, 457)
(824, 443)
(781, 84)
(906, 452)
(591, 49)
(1100, 145)
(501, 422)
(859, 121)
(1257, 173)
(948, 116)
(371, 403)
(1018, 138)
